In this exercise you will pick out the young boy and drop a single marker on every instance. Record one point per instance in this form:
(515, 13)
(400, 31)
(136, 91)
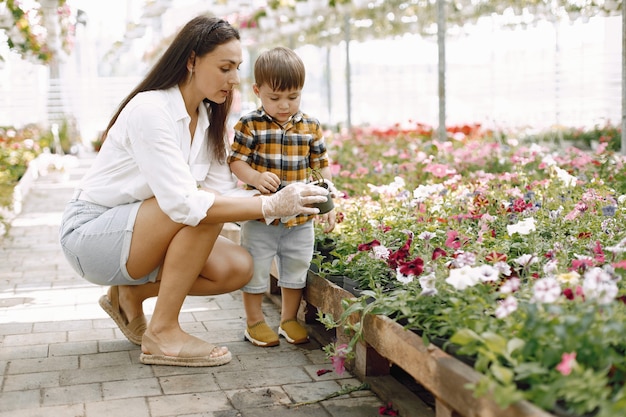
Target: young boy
(276, 145)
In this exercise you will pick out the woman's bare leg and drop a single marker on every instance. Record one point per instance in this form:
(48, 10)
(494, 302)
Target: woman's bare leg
(193, 261)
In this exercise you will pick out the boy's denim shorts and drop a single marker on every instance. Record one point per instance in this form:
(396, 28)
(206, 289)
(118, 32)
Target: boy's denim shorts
(96, 242)
(291, 246)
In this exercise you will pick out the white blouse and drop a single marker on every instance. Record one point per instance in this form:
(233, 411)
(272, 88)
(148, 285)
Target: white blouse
(149, 153)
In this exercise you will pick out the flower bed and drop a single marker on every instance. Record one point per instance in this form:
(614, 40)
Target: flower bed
(512, 252)
(386, 342)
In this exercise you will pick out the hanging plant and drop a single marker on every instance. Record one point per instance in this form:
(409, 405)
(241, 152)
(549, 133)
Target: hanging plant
(25, 24)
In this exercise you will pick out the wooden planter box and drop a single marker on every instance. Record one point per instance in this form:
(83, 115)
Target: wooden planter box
(386, 342)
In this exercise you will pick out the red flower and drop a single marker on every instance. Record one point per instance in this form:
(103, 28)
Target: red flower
(414, 267)
(321, 372)
(438, 252)
(387, 410)
(494, 257)
(397, 257)
(364, 247)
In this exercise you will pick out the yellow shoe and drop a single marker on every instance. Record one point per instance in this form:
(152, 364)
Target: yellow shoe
(260, 334)
(293, 331)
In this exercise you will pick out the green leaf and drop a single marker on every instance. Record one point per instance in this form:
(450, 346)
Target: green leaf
(502, 373)
(464, 336)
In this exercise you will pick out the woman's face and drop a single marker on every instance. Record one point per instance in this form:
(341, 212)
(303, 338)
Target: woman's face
(216, 73)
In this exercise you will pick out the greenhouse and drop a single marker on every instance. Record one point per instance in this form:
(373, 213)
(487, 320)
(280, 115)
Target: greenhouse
(471, 262)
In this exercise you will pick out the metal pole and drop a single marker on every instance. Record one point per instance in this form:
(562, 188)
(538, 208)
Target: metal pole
(623, 77)
(441, 45)
(348, 81)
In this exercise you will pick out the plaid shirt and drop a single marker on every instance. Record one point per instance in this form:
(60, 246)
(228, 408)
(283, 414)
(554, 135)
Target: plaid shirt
(288, 151)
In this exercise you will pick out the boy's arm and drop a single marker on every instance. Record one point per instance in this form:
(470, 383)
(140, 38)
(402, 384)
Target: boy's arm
(265, 182)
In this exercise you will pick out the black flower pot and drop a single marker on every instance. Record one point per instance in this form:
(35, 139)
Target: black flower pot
(327, 205)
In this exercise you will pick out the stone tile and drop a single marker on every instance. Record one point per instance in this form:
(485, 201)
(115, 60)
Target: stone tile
(188, 384)
(76, 410)
(255, 361)
(16, 400)
(147, 387)
(34, 339)
(73, 394)
(103, 360)
(73, 348)
(174, 405)
(83, 335)
(30, 381)
(262, 378)
(135, 407)
(312, 391)
(258, 397)
(62, 326)
(313, 410)
(105, 374)
(57, 363)
(353, 407)
(22, 352)
(116, 345)
(15, 328)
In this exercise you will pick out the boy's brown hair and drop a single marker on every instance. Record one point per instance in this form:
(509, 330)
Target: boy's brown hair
(280, 68)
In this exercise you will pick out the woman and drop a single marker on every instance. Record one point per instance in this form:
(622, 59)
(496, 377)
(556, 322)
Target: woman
(146, 218)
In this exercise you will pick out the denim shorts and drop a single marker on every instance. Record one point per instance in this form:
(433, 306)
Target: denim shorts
(291, 246)
(96, 242)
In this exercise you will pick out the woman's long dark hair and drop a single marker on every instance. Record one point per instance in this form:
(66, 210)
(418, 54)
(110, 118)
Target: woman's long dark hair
(200, 35)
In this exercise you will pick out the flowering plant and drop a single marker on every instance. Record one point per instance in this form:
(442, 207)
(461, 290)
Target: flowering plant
(24, 22)
(512, 254)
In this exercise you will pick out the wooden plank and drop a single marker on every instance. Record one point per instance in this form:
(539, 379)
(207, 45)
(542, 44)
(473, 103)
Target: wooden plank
(401, 399)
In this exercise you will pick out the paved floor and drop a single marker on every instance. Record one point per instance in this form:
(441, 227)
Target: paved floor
(61, 355)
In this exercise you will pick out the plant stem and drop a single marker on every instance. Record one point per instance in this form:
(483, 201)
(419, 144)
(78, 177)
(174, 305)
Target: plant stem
(346, 389)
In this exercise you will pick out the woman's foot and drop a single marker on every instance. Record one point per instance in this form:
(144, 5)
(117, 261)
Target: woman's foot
(192, 352)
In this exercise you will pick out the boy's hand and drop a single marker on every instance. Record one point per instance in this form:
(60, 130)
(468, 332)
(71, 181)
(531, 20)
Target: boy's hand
(266, 182)
(329, 219)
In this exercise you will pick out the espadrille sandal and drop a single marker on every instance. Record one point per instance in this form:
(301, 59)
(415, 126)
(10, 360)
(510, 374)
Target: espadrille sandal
(134, 330)
(196, 352)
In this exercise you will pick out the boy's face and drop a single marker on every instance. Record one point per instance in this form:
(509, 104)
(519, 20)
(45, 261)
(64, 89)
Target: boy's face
(281, 105)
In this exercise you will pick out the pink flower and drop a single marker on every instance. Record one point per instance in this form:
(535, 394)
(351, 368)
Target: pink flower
(339, 358)
(568, 360)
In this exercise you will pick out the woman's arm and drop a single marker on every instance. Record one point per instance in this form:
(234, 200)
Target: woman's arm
(292, 200)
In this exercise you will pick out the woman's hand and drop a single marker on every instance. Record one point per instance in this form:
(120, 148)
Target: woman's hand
(292, 200)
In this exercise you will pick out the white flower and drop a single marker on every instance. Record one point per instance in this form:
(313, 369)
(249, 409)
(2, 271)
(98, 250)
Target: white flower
(546, 290)
(423, 192)
(427, 282)
(462, 278)
(523, 227)
(426, 235)
(380, 252)
(551, 267)
(405, 279)
(510, 286)
(487, 273)
(565, 177)
(525, 260)
(464, 258)
(503, 267)
(506, 307)
(598, 285)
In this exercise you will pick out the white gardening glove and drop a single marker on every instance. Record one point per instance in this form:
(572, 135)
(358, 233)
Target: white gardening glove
(292, 200)
(331, 187)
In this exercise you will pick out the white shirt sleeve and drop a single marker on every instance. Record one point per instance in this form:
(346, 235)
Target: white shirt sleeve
(155, 138)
